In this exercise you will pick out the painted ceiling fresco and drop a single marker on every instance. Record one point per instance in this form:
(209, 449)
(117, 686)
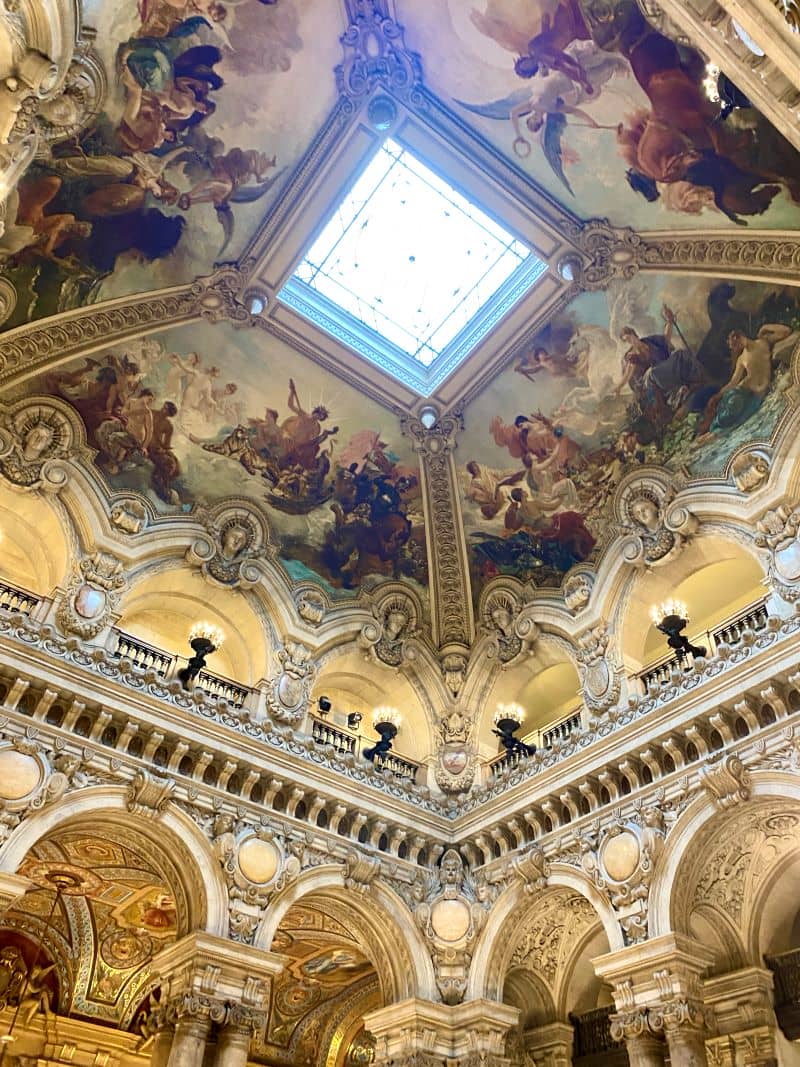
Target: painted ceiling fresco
(189, 417)
(120, 909)
(652, 371)
(327, 976)
(584, 94)
(194, 141)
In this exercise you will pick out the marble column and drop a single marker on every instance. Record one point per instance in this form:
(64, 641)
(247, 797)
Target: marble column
(687, 1046)
(189, 1041)
(645, 1048)
(162, 1043)
(233, 1045)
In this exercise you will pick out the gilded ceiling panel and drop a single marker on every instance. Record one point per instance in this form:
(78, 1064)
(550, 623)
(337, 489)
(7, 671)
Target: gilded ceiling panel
(582, 95)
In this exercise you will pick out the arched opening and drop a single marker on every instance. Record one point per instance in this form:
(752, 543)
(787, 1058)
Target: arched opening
(715, 578)
(107, 894)
(355, 686)
(547, 687)
(35, 550)
(161, 609)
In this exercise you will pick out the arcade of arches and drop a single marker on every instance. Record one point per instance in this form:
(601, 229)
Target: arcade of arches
(302, 840)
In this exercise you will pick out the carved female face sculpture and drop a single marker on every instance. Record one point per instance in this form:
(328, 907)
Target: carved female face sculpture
(396, 622)
(502, 619)
(36, 441)
(234, 540)
(646, 512)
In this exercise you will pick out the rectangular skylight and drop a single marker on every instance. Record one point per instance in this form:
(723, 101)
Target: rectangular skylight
(406, 266)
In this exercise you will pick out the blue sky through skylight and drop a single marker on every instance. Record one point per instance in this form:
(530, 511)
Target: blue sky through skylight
(409, 257)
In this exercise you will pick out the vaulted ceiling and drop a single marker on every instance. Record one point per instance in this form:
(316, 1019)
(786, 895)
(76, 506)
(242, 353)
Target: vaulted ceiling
(226, 135)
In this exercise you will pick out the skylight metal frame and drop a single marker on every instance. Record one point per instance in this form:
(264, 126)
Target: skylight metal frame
(368, 342)
(342, 150)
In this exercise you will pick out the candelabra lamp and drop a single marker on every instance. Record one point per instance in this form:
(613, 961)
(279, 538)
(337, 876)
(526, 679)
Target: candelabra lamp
(204, 639)
(386, 722)
(672, 618)
(507, 720)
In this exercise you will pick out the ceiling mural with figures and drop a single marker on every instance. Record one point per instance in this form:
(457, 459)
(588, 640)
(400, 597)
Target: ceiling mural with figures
(199, 414)
(649, 372)
(151, 282)
(121, 903)
(192, 144)
(610, 115)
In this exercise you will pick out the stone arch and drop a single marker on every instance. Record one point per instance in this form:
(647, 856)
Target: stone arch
(171, 830)
(491, 958)
(690, 849)
(403, 962)
(527, 991)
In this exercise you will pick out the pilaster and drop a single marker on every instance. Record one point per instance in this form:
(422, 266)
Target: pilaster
(551, 1045)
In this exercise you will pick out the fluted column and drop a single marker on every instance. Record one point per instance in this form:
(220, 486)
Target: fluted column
(645, 1048)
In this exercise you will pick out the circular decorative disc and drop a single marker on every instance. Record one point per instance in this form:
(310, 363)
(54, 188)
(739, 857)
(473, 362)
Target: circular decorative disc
(20, 774)
(620, 856)
(450, 919)
(258, 860)
(124, 949)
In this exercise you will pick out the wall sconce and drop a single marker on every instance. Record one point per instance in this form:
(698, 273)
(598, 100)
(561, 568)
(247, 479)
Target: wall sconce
(204, 638)
(507, 720)
(386, 722)
(671, 618)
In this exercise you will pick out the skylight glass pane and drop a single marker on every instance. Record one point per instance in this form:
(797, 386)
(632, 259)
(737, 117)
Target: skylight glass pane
(409, 256)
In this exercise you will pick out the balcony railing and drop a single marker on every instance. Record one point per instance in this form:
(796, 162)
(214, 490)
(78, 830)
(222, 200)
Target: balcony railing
(324, 733)
(729, 632)
(166, 666)
(786, 970)
(542, 738)
(593, 1042)
(18, 600)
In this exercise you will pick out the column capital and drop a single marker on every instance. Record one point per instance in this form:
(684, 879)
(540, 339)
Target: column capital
(202, 967)
(655, 972)
(441, 1031)
(629, 1024)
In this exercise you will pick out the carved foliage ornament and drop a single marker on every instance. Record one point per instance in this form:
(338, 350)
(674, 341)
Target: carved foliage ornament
(375, 54)
(92, 595)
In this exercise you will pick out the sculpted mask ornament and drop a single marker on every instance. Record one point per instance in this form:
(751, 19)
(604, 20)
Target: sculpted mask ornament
(92, 595)
(289, 692)
(509, 634)
(454, 669)
(235, 539)
(311, 606)
(450, 917)
(656, 531)
(396, 619)
(32, 439)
